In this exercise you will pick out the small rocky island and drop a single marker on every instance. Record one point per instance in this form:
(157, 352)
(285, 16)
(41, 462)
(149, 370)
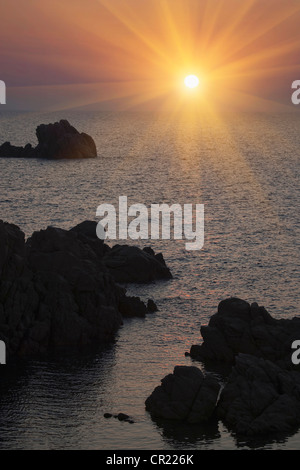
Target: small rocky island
(56, 290)
(55, 141)
(261, 393)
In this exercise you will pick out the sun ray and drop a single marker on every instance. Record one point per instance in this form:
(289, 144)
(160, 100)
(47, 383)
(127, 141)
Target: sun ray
(135, 27)
(134, 52)
(256, 31)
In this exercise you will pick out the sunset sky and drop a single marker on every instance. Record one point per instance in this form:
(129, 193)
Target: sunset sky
(124, 54)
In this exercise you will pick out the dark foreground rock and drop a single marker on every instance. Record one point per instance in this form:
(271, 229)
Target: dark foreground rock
(55, 141)
(186, 395)
(260, 395)
(126, 264)
(131, 264)
(55, 290)
(260, 398)
(239, 327)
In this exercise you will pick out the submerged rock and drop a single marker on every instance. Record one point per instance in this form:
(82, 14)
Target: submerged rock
(120, 417)
(55, 141)
(123, 417)
(186, 395)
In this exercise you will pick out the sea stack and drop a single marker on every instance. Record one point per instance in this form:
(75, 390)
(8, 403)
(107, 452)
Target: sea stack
(55, 141)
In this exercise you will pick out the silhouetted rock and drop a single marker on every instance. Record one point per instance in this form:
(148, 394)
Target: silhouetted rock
(61, 140)
(120, 417)
(260, 395)
(11, 151)
(239, 327)
(135, 307)
(132, 307)
(12, 251)
(260, 398)
(185, 395)
(151, 306)
(131, 264)
(88, 229)
(86, 232)
(123, 417)
(55, 141)
(56, 291)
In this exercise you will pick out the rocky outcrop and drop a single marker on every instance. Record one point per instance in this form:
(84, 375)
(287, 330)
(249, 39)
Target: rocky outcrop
(239, 327)
(126, 264)
(131, 264)
(186, 395)
(261, 393)
(55, 290)
(260, 398)
(55, 141)
(12, 151)
(131, 306)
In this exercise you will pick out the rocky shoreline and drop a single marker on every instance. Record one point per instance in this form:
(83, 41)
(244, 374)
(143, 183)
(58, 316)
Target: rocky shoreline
(261, 394)
(63, 289)
(57, 288)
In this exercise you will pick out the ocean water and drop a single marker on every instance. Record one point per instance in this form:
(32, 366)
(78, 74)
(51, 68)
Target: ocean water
(245, 170)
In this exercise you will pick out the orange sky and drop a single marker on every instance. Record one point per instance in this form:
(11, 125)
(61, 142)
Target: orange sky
(61, 54)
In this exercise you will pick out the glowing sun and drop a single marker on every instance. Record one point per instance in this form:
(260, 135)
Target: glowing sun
(191, 81)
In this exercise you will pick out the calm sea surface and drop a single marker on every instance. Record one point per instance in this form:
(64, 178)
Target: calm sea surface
(245, 170)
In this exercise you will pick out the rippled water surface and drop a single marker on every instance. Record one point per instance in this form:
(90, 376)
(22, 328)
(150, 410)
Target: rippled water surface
(245, 170)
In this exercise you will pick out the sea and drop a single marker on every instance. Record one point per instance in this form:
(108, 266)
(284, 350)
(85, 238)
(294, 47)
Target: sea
(244, 169)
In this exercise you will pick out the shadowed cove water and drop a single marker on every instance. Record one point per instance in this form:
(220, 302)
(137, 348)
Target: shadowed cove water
(244, 169)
